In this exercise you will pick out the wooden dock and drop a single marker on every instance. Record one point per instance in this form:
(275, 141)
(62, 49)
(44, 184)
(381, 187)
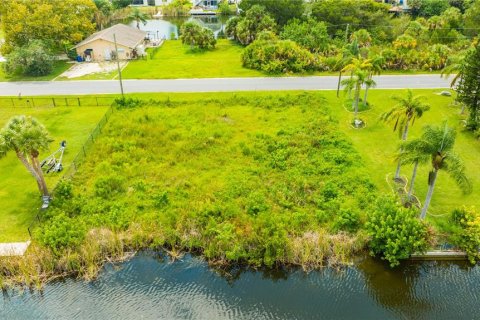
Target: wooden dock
(440, 255)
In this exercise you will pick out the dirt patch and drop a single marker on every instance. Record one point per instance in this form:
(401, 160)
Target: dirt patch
(87, 68)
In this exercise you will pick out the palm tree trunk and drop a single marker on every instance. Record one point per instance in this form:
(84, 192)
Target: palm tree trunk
(431, 184)
(357, 97)
(412, 181)
(42, 185)
(404, 137)
(339, 81)
(366, 95)
(41, 179)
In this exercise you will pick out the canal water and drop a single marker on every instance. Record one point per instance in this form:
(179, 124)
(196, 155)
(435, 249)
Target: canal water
(151, 287)
(169, 27)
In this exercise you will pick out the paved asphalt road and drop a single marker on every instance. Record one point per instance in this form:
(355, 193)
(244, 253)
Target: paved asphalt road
(38, 88)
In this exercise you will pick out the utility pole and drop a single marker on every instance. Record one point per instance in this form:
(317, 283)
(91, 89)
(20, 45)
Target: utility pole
(118, 65)
(346, 33)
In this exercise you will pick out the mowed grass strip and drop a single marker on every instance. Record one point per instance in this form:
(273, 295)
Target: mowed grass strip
(19, 196)
(175, 60)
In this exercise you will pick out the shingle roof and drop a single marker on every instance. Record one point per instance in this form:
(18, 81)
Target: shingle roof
(126, 36)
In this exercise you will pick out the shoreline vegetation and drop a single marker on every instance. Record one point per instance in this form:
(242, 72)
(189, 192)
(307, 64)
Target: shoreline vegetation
(259, 179)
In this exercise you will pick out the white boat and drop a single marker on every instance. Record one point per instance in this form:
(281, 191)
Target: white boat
(201, 12)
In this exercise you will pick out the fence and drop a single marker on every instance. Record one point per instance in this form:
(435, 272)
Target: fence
(78, 159)
(32, 102)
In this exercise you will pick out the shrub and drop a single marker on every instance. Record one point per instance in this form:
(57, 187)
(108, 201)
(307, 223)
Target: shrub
(277, 56)
(106, 187)
(347, 220)
(128, 103)
(31, 60)
(310, 34)
(395, 232)
(467, 236)
(246, 29)
(195, 35)
(62, 232)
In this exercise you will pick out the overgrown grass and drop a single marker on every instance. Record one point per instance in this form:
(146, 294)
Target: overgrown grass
(19, 196)
(258, 179)
(58, 68)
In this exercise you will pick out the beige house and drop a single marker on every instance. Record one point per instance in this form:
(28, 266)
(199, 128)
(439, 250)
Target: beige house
(100, 46)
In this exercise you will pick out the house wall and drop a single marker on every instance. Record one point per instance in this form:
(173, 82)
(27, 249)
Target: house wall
(102, 48)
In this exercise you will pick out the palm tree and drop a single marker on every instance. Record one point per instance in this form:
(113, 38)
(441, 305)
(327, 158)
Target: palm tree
(348, 54)
(377, 66)
(454, 67)
(437, 142)
(26, 137)
(355, 82)
(138, 16)
(408, 155)
(404, 114)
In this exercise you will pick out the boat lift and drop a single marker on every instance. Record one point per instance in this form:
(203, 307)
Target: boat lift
(52, 163)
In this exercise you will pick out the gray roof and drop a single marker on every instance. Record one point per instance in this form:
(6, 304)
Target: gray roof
(126, 36)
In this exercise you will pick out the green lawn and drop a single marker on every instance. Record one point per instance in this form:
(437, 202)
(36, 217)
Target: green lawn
(18, 191)
(377, 143)
(174, 60)
(59, 68)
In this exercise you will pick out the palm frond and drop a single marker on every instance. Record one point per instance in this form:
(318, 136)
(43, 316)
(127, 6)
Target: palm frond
(456, 169)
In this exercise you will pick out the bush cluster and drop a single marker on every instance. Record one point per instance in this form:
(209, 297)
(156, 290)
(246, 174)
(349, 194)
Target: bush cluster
(466, 235)
(274, 56)
(396, 232)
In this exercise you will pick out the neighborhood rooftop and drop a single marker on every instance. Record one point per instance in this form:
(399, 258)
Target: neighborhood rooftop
(126, 36)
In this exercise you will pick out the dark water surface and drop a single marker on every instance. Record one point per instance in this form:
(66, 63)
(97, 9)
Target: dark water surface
(151, 287)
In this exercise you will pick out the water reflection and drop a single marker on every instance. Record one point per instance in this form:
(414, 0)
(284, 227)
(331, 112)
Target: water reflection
(151, 287)
(169, 27)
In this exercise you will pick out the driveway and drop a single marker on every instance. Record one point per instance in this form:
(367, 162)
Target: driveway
(38, 88)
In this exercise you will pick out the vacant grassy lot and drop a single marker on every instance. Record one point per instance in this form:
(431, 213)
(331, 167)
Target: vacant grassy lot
(174, 60)
(19, 196)
(377, 143)
(59, 68)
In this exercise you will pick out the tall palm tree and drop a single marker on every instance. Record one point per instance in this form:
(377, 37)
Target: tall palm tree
(348, 53)
(437, 142)
(408, 109)
(355, 82)
(138, 16)
(26, 137)
(408, 155)
(377, 66)
(454, 67)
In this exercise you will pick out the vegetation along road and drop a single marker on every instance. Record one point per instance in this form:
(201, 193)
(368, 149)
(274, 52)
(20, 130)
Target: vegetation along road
(213, 85)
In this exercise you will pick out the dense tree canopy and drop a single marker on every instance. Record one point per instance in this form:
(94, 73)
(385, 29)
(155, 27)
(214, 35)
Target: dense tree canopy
(357, 14)
(246, 29)
(281, 10)
(54, 22)
(310, 34)
(469, 86)
(32, 59)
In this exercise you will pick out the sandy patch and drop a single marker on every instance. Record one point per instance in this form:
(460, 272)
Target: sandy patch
(87, 68)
